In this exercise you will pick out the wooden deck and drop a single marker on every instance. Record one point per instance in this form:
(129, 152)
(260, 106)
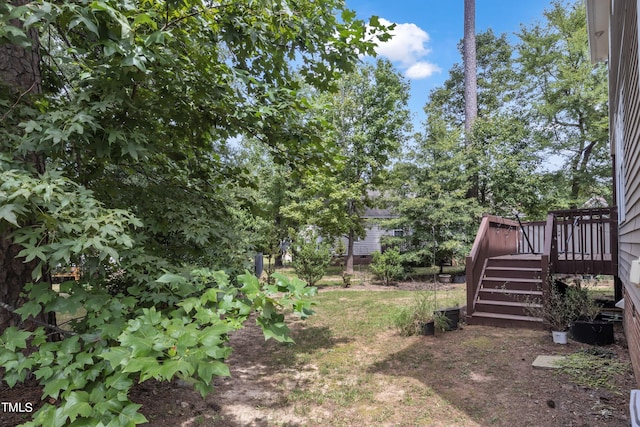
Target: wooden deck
(512, 261)
(519, 257)
(561, 257)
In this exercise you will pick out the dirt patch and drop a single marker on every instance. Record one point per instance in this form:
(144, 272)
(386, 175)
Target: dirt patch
(398, 286)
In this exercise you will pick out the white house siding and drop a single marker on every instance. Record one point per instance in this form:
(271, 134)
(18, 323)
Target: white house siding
(371, 242)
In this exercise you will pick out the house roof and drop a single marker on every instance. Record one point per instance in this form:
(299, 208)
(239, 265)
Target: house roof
(598, 13)
(378, 213)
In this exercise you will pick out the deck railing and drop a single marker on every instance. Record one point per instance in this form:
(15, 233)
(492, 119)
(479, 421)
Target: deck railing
(583, 241)
(531, 237)
(578, 241)
(586, 241)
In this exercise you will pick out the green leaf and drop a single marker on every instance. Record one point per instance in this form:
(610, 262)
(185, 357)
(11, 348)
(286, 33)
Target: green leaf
(76, 404)
(45, 373)
(54, 387)
(91, 26)
(141, 364)
(29, 308)
(116, 356)
(278, 331)
(119, 381)
(7, 212)
(171, 278)
(142, 19)
(171, 367)
(131, 416)
(207, 370)
(250, 284)
(212, 335)
(13, 338)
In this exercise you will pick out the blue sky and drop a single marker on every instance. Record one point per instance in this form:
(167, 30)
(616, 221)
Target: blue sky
(428, 31)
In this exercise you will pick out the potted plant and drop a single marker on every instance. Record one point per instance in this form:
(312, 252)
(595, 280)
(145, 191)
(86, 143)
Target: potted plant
(557, 311)
(441, 322)
(588, 328)
(418, 318)
(451, 317)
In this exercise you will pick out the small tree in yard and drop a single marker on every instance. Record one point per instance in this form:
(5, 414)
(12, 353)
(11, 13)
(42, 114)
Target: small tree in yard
(387, 266)
(311, 258)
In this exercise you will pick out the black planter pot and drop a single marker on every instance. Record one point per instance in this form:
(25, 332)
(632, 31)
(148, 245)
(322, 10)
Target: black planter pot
(428, 328)
(453, 317)
(461, 278)
(596, 332)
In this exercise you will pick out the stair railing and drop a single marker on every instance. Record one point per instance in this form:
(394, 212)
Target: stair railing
(496, 236)
(525, 234)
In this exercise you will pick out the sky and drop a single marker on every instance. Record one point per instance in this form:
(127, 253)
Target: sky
(427, 33)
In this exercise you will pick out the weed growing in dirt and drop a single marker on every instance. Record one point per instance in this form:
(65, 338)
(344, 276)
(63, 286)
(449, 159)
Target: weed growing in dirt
(594, 368)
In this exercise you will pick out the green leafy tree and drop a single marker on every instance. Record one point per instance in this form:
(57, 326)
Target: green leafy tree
(119, 118)
(369, 120)
(569, 96)
(429, 194)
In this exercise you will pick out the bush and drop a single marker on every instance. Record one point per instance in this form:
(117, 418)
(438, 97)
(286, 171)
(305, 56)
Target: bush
(410, 320)
(559, 309)
(311, 259)
(387, 266)
(175, 327)
(583, 304)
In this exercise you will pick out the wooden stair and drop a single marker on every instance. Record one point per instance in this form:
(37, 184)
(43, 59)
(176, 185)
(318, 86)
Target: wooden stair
(507, 285)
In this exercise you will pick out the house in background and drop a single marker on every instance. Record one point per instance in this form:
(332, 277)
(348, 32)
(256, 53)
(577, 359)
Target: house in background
(613, 37)
(364, 248)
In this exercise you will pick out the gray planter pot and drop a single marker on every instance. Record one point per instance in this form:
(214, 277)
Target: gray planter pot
(444, 278)
(428, 328)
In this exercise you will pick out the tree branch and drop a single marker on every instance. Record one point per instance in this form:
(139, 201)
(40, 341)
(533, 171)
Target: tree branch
(39, 322)
(4, 116)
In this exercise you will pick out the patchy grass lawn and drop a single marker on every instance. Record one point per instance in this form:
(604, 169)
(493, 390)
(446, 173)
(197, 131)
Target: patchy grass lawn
(349, 367)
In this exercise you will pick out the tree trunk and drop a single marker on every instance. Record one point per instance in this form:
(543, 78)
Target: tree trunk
(14, 274)
(20, 73)
(348, 267)
(470, 82)
(20, 67)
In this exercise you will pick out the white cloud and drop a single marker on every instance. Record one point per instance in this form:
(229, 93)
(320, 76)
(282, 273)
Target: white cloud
(407, 46)
(422, 70)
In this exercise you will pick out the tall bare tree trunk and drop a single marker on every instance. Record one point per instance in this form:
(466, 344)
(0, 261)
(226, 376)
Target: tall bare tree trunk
(470, 66)
(470, 81)
(20, 75)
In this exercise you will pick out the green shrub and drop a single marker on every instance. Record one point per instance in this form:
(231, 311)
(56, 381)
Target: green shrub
(387, 266)
(311, 258)
(174, 327)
